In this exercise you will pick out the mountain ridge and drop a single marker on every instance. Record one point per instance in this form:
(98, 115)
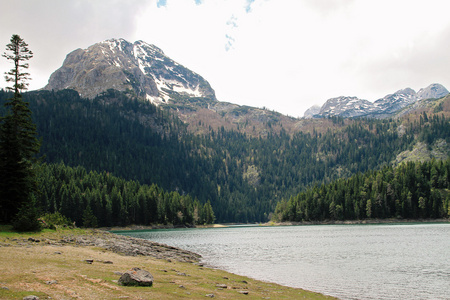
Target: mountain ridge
(388, 106)
(143, 70)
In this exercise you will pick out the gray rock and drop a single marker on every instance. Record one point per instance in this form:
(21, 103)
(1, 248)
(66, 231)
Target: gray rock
(136, 277)
(210, 295)
(31, 297)
(126, 245)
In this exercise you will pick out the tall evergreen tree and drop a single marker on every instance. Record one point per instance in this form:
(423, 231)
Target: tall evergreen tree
(18, 142)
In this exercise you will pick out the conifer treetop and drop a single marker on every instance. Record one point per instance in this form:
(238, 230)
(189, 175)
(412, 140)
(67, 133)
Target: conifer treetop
(18, 52)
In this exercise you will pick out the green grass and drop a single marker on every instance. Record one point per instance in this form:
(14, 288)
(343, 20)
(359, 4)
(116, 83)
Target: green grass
(10, 294)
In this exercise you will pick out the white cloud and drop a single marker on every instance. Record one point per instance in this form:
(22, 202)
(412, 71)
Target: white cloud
(282, 54)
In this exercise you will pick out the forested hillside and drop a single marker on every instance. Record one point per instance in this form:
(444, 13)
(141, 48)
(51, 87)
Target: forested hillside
(412, 190)
(102, 199)
(242, 176)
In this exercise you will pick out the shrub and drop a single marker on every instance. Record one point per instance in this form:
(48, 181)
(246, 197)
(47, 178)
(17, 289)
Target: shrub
(52, 221)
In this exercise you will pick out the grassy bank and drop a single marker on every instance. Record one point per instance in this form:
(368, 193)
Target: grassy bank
(38, 264)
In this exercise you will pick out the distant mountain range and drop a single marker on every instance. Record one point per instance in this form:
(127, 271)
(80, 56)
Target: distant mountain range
(143, 70)
(390, 105)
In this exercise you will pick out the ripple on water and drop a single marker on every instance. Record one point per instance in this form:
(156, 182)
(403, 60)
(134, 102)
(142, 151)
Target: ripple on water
(346, 261)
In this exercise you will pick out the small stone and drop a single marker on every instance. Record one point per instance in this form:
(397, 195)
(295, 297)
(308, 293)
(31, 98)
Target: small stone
(181, 274)
(182, 286)
(5, 288)
(118, 273)
(31, 297)
(57, 252)
(89, 261)
(51, 282)
(243, 292)
(210, 295)
(222, 286)
(108, 262)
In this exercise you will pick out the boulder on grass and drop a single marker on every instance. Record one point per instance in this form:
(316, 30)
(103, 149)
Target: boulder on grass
(136, 277)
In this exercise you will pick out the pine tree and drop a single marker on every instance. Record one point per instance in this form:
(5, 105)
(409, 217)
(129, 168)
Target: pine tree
(18, 142)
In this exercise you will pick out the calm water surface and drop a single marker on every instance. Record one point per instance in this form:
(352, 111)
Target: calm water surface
(345, 261)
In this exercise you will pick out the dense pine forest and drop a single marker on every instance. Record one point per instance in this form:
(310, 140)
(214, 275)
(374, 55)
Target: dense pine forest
(243, 177)
(101, 199)
(413, 190)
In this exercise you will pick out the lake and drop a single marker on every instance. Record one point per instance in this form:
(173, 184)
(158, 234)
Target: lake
(385, 261)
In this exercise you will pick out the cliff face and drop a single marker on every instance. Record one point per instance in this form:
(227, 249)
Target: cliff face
(140, 68)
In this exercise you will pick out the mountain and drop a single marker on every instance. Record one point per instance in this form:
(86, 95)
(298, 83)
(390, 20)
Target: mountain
(347, 107)
(432, 91)
(139, 68)
(241, 159)
(388, 106)
(143, 71)
(310, 112)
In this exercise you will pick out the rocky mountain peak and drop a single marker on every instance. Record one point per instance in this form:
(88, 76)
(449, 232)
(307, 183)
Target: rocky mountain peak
(348, 107)
(434, 90)
(139, 68)
(311, 112)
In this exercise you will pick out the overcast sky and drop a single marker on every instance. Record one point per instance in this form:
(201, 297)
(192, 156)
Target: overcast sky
(285, 55)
